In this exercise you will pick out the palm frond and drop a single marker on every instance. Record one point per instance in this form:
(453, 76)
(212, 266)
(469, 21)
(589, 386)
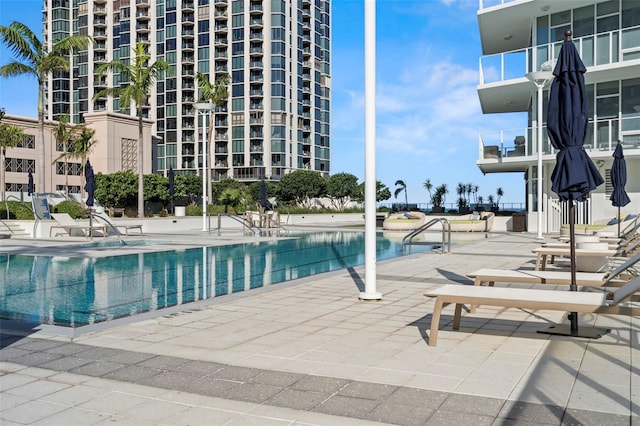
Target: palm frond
(21, 41)
(13, 69)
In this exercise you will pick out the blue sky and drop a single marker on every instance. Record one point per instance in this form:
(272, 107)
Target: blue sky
(428, 113)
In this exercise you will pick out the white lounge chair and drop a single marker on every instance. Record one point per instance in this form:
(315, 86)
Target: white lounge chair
(491, 276)
(543, 253)
(508, 297)
(71, 227)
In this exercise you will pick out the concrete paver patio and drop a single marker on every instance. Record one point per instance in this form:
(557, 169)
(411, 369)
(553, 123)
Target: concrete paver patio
(309, 352)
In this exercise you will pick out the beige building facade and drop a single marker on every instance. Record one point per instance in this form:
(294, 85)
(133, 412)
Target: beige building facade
(115, 149)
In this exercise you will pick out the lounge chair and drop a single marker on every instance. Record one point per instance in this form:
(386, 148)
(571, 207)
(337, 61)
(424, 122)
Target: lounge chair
(625, 267)
(70, 226)
(543, 253)
(570, 301)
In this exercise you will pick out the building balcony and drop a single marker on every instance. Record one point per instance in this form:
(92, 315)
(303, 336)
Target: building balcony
(99, 10)
(99, 21)
(99, 34)
(256, 23)
(256, 120)
(256, 64)
(514, 150)
(142, 15)
(187, 45)
(221, 28)
(508, 90)
(248, 173)
(221, 137)
(220, 42)
(187, 5)
(188, 33)
(256, 9)
(219, 55)
(142, 3)
(256, 92)
(220, 15)
(142, 27)
(256, 50)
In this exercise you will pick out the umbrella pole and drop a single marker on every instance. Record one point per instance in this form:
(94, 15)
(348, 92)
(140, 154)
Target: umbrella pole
(572, 329)
(618, 221)
(573, 317)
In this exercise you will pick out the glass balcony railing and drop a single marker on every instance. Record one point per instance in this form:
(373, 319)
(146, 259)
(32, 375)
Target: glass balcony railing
(602, 135)
(597, 49)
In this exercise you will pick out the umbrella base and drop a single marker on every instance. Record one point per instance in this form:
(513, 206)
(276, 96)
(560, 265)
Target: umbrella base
(565, 330)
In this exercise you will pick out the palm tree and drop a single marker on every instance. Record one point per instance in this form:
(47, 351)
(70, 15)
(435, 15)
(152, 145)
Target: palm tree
(217, 94)
(499, 193)
(141, 77)
(402, 187)
(10, 137)
(428, 186)
(35, 59)
(63, 135)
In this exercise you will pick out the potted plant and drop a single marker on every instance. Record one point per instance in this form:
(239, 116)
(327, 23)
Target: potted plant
(438, 198)
(496, 206)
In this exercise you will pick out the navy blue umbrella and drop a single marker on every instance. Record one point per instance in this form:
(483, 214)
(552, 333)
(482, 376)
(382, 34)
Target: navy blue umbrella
(619, 197)
(170, 175)
(30, 186)
(172, 183)
(263, 195)
(89, 184)
(574, 174)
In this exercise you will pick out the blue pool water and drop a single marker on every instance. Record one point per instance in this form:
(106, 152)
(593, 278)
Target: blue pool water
(74, 292)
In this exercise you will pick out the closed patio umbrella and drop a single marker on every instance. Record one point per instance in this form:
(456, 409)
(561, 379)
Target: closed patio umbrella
(619, 197)
(30, 188)
(172, 190)
(574, 175)
(89, 186)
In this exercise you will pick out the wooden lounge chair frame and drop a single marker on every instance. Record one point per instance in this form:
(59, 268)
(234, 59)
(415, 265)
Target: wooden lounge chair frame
(66, 223)
(509, 297)
(491, 276)
(543, 253)
(126, 228)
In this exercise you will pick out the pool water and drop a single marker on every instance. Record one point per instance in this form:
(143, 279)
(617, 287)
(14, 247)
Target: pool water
(76, 291)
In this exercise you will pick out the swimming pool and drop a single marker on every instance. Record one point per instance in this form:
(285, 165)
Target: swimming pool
(77, 291)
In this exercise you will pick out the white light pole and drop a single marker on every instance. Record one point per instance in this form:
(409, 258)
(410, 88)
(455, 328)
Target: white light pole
(540, 79)
(204, 108)
(370, 292)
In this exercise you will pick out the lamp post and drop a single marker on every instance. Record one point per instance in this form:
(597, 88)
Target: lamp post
(204, 108)
(539, 79)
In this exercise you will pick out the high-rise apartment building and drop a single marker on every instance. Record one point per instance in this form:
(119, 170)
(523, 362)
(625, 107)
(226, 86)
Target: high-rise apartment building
(276, 52)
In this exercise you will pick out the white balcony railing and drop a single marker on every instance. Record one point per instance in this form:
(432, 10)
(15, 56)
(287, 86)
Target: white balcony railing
(602, 135)
(597, 49)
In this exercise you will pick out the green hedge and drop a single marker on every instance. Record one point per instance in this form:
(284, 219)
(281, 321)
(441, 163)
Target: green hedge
(73, 209)
(17, 210)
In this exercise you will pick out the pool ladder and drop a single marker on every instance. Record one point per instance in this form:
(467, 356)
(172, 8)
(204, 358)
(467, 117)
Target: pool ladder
(446, 235)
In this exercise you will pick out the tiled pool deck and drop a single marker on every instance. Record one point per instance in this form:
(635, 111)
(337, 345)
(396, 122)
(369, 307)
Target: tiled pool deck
(309, 352)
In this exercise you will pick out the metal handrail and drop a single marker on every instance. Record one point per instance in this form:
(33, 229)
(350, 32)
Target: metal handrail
(446, 234)
(245, 223)
(7, 198)
(104, 219)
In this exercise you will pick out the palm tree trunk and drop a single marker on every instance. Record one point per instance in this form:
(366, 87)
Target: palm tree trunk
(140, 161)
(41, 168)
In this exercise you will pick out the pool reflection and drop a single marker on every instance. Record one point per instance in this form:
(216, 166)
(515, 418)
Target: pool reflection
(79, 291)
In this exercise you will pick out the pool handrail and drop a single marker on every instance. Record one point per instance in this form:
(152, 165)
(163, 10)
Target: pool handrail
(446, 235)
(7, 198)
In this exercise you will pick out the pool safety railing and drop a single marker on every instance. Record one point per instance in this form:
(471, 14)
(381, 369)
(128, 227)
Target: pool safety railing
(7, 198)
(408, 240)
(101, 218)
(247, 225)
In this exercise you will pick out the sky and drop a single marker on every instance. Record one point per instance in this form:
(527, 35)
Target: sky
(428, 115)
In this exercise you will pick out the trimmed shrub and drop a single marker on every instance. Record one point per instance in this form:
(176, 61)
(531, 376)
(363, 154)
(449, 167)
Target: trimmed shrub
(17, 210)
(73, 209)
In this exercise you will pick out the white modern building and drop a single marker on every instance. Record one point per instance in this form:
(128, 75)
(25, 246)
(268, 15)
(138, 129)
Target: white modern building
(524, 36)
(276, 52)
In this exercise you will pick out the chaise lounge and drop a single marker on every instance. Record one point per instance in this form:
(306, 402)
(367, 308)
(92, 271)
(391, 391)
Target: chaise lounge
(474, 222)
(570, 301)
(73, 228)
